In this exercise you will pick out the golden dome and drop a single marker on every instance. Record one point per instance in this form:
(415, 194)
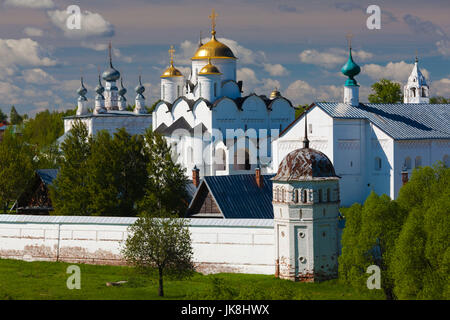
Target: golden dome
(213, 49)
(209, 69)
(275, 94)
(171, 72)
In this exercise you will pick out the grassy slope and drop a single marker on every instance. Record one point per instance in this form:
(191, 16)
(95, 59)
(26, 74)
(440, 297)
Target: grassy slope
(47, 280)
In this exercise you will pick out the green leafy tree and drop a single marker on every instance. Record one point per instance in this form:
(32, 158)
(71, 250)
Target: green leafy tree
(421, 260)
(69, 193)
(439, 100)
(16, 167)
(152, 108)
(117, 173)
(3, 117)
(369, 239)
(166, 183)
(386, 91)
(300, 109)
(161, 244)
(14, 116)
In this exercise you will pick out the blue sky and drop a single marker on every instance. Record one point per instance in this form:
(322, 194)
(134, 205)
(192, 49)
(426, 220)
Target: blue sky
(298, 46)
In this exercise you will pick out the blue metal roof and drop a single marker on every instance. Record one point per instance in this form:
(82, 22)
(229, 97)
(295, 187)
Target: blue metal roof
(401, 121)
(239, 197)
(47, 175)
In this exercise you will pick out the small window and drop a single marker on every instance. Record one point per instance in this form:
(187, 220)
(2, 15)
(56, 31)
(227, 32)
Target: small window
(305, 196)
(328, 195)
(310, 128)
(178, 91)
(215, 89)
(320, 195)
(296, 196)
(407, 163)
(164, 92)
(282, 195)
(418, 162)
(377, 163)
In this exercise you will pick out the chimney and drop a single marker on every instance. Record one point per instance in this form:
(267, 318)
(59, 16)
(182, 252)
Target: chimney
(196, 176)
(404, 177)
(259, 177)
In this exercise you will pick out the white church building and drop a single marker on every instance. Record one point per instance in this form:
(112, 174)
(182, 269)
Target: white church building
(373, 146)
(109, 111)
(204, 116)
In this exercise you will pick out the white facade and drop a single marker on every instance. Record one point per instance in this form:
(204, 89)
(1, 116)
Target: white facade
(416, 90)
(365, 157)
(306, 229)
(210, 105)
(239, 246)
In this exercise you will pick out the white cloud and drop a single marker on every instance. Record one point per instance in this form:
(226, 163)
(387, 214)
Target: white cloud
(275, 70)
(33, 32)
(301, 92)
(92, 24)
(332, 57)
(37, 76)
(443, 47)
(23, 52)
(33, 4)
(396, 71)
(94, 46)
(441, 88)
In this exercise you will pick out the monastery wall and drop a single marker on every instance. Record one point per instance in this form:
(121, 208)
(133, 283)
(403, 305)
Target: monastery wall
(237, 245)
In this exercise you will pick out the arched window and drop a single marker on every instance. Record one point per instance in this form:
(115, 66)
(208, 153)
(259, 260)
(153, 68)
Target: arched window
(164, 92)
(282, 195)
(220, 160)
(328, 195)
(424, 92)
(305, 196)
(377, 163)
(296, 196)
(277, 194)
(407, 163)
(446, 161)
(215, 89)
(418, 162)
(413, 92)
(320, 195)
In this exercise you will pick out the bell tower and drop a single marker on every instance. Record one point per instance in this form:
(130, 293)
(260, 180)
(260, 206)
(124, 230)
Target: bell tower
(306, 210)
(417, 89)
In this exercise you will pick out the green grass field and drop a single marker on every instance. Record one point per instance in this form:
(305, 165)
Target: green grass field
(47, 280)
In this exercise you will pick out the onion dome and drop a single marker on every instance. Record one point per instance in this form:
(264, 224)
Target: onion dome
(82, 91)
(213, 49)
(275, 94)
(351, 69)
(209, 69)
(99, 88)
(171, 71)
(111, 74)
(122, 90)
(140, 88)
(305, 164)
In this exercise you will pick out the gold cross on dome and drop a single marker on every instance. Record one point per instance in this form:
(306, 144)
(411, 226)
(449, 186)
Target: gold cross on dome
(349, 37)
(171, 52)
(213, 17)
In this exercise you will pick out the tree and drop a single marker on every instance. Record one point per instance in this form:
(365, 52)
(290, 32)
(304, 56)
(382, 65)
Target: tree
(300, 109)
(69, 193)
(117, 173)
(14, 116)
(369, 239)
(164, 244)
(421, 260)
(165, 189)
(439, 100)
(386, 91)
(16, 167)
(3, 117)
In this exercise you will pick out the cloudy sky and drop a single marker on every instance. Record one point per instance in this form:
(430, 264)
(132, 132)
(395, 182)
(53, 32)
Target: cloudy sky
(298, 46)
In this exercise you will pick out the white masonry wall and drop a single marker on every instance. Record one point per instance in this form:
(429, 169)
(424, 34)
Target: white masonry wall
(237, 245)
